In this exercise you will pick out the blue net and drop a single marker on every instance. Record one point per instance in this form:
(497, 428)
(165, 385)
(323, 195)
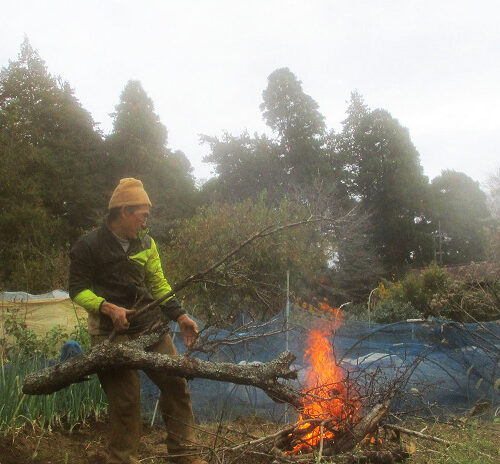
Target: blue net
(440, 363)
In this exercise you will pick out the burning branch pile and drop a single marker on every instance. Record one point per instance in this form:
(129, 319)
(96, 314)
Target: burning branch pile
(333, 418)
(328, 397)
(335, 415)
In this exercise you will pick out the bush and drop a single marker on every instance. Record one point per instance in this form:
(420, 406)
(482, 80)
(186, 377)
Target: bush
(434, 293)
(467, 301)
(417, 289)
(385, 312)
(394, 311)
(253, 279)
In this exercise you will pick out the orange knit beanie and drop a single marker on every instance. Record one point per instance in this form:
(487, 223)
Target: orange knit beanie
(129, 192)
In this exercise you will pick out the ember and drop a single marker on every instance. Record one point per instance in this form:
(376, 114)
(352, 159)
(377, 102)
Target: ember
(326, 392)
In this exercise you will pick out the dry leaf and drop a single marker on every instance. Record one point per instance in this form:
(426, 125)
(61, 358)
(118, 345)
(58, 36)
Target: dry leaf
(411, 448)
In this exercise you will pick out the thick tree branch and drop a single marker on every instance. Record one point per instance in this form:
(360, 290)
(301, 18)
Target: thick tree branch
(134, 355)
(366, 425)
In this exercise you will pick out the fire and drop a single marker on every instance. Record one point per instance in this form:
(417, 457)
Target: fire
(326, 391)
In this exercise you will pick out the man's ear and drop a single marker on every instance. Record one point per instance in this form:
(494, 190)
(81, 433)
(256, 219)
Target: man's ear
(123, 212)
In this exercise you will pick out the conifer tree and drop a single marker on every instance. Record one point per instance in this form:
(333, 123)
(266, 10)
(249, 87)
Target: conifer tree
(137, 147)
(386, 179)
(295, 118)
(290, 162)
(51, 166)
(459, 214)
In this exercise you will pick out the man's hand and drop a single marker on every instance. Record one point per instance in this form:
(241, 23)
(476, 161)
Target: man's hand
(189, 329)
(118, 315)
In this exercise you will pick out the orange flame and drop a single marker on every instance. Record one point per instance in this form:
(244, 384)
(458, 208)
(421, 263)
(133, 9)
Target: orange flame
(326, 389)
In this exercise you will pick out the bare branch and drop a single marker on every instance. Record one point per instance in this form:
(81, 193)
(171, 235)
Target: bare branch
(418, 434)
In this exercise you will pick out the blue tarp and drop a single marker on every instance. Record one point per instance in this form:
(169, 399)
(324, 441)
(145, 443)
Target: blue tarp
(24, 296)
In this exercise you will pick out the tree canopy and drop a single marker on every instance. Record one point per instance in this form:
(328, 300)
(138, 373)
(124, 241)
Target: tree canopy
(390, 186)
(250, 282)
(288, 163)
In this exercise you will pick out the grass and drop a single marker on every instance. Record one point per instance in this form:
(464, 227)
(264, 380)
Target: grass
(476, 442)
(29, 353)
(69, 407)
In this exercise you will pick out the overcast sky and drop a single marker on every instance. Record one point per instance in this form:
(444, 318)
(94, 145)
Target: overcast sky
(434, 65)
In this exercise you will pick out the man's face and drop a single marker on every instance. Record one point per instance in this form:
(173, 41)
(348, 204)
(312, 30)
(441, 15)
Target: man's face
(134, 222)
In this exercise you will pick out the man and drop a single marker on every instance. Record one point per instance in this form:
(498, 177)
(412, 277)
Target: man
(114, 270)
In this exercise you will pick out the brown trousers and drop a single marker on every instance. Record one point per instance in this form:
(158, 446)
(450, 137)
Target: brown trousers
(122, 388)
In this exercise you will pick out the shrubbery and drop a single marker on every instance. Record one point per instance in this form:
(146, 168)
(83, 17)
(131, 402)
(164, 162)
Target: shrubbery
(385, 312)
(253, 280)
(26, 344)
(467, 302)
(435, 293)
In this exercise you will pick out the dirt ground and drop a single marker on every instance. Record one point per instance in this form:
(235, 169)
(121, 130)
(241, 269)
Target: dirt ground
(86, 444)
(82, 445)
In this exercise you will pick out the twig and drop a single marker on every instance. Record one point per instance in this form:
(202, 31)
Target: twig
(279, 434)
(419, 434)
(259, 441)
(208, 346)
(213, 282)
(320, 452)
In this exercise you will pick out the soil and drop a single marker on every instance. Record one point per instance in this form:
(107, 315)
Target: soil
(87, 444)
(82, 445)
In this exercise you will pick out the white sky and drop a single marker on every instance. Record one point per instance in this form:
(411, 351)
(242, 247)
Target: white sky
(434, 65)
